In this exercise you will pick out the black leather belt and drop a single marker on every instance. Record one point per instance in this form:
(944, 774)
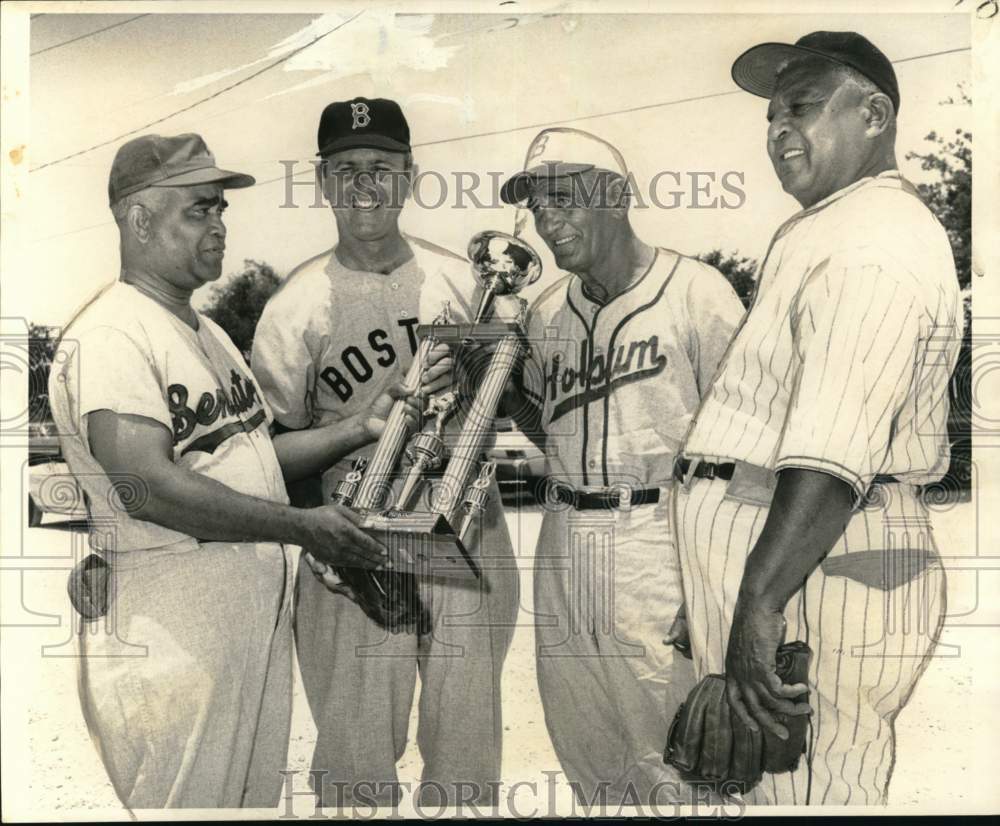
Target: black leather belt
(724, 471)
(608, 499)
(704, 470)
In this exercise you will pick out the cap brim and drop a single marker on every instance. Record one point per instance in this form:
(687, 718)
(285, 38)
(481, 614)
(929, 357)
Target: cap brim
(209, 175)
(519, 187)
(756, 70)
(363, 141)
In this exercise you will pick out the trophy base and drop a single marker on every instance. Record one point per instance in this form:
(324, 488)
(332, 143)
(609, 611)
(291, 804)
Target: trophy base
(422, 543)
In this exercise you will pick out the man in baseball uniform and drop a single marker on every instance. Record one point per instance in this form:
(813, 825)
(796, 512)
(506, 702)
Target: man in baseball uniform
(186, 686)
(799, 517)
(622, 347)
(340, 330)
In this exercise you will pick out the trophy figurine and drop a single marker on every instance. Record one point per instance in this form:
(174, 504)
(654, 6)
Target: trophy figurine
(432, 541)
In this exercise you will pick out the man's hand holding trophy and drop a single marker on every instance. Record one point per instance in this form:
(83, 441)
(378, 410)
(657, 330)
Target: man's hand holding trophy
(425, 520)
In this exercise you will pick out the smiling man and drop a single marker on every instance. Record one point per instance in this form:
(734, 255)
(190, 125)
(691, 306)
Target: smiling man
(799, 517)
(186, 686)
(622, 347)
(340, 330)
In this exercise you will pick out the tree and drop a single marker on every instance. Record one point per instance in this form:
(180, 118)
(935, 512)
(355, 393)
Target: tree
(738, 271)
(950, 197)
(236, 306)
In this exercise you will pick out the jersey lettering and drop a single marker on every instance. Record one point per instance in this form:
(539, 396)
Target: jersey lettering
(242, 396)
(377, 341)
(592, 376)
(411, 330)
(355, 364)
(337, 383)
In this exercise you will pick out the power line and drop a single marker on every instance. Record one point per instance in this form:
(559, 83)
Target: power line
(513, 129)
(933, 54)
(628, 110)
(85, 36)
(191, 106)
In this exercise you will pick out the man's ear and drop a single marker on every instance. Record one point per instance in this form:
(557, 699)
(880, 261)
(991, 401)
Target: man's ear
(138, 219)
(879, 114)
(618, 197)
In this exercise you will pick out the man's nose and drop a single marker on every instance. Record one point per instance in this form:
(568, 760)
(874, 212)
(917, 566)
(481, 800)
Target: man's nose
(364, 183)
(218, 226)
(777, 129)
(548, 220)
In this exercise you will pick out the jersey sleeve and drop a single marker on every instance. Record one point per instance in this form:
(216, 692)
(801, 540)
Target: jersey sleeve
(283, 366)
(714, 312)
(856, 330)
(132, 386)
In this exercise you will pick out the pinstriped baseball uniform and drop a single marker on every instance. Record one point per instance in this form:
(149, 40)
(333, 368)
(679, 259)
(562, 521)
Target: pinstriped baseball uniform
(617, 384)
(841, 366)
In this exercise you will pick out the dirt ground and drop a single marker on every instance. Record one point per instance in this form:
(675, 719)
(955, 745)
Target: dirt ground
(51, 770)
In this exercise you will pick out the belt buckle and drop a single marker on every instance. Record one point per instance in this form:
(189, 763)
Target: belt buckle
(690, 477)
(623, 493)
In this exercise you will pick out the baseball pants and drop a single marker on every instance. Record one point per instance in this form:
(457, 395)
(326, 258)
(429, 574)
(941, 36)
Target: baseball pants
(607, 589)
(186, 684)
(360, 682)
(871, 612)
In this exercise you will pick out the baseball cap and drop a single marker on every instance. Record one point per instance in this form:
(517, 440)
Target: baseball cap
(157, 160)
(756, 70)
(557, 153)
(349, 124)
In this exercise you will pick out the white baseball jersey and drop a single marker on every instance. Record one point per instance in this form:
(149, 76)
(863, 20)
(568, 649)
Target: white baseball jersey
(128, 354)
(841, 366)
(328, 344)
(332, 339)
(617, 383)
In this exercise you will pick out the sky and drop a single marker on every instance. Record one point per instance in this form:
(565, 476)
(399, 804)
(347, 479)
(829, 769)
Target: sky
(460, 79)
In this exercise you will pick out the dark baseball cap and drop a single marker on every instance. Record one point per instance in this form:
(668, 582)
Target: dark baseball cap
(157, 160)
(377, 123)
(757, 69)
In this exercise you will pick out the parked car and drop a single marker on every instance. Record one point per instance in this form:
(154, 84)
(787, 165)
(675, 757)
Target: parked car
(51, 487)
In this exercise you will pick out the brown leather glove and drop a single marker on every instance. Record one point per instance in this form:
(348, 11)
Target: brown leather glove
(390, 598)
(711, 745)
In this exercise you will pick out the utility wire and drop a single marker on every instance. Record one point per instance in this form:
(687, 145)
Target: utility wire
(597, 115)
(191, 106)
(513, 129)
(85, 36)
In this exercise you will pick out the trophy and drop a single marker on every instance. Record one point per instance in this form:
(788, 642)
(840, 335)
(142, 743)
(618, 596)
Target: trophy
(432, 541)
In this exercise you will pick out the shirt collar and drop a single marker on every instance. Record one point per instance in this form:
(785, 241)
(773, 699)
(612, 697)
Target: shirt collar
(891, 177)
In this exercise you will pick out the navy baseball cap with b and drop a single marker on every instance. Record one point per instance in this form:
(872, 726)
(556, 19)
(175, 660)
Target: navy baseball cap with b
(376, 123)
(157, 160)
(757, 69)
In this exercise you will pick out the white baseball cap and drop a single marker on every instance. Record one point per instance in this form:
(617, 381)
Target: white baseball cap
(558, 152)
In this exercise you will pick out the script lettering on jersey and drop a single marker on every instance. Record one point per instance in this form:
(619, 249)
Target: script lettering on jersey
(596, 376)
(358, 362)
(241, 397)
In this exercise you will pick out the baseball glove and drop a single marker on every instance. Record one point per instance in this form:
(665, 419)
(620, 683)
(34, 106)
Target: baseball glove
(390, 598)
(709, 744)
